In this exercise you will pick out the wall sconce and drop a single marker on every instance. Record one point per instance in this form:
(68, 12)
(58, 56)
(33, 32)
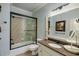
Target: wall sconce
(60, 7)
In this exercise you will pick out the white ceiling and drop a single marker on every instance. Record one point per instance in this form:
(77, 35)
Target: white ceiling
(29, 6)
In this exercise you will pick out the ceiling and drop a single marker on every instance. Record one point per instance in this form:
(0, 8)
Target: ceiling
(29, 6)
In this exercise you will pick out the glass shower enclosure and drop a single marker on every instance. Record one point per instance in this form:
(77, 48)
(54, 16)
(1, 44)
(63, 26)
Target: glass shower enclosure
(23, 30)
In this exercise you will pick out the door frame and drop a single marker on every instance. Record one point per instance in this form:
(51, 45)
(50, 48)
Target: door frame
(46, 26)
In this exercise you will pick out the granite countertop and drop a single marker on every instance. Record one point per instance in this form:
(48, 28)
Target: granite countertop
(59, 50)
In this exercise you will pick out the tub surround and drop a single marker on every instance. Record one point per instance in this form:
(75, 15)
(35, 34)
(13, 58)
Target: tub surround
(59, 50)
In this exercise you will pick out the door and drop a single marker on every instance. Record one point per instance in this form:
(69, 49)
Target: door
(23, 31)
(30, 30)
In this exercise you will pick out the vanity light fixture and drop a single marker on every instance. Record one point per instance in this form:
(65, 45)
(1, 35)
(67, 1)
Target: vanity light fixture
(60, 7)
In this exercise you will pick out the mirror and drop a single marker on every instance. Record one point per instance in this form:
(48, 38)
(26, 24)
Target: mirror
(23, 30)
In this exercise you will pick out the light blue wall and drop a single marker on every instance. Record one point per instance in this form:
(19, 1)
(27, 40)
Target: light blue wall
(41, 15)
(64, 16)
(43, 12)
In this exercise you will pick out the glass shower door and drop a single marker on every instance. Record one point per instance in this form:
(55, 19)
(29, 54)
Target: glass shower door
(23, 31)
(30, 30)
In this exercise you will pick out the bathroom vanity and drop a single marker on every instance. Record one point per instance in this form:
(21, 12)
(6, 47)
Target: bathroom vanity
(47, 50)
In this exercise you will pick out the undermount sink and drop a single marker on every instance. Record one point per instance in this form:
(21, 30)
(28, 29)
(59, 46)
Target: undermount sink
(72, 49)
(54, 45)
